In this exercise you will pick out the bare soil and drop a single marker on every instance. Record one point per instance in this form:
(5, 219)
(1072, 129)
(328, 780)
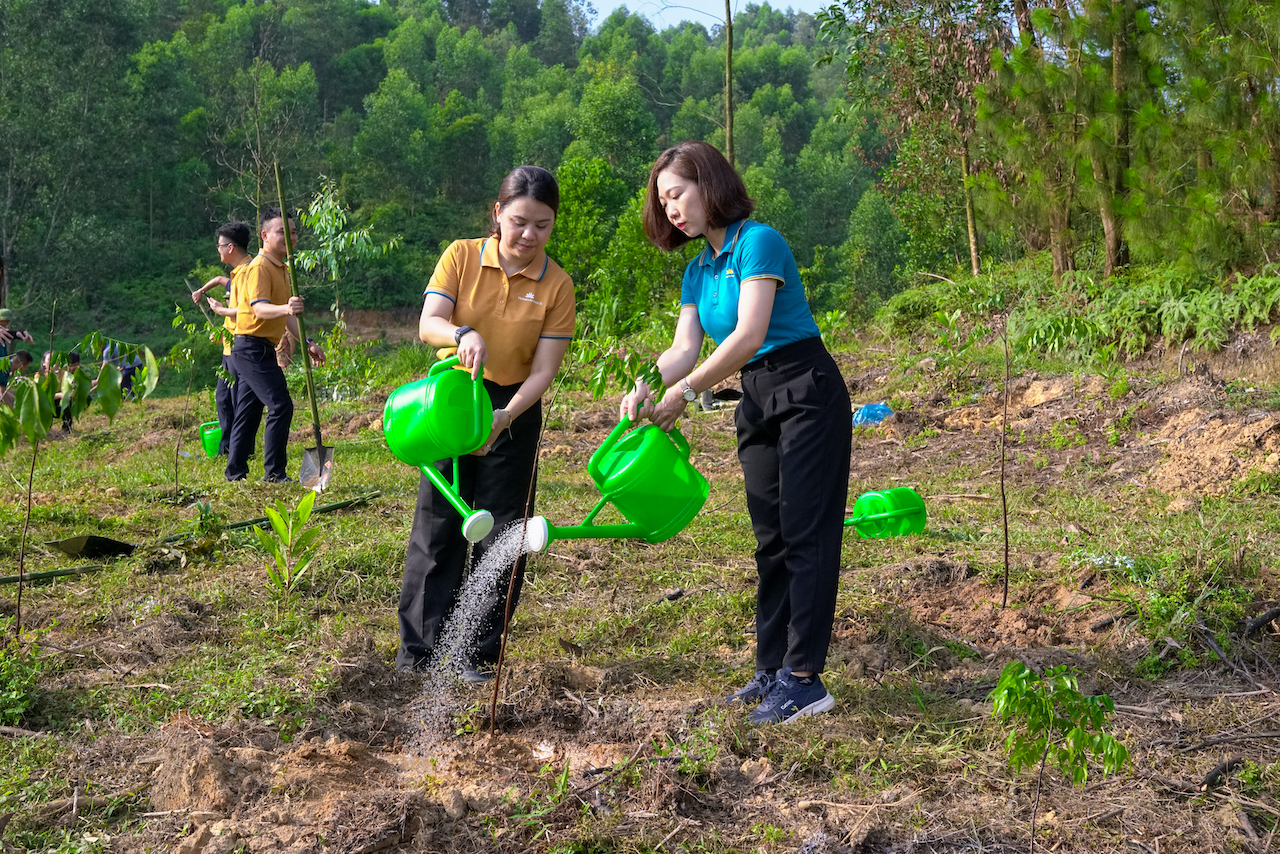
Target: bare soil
(367, 779)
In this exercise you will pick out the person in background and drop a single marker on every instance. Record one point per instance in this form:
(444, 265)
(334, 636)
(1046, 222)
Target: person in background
(8, 337)
(507, 307)
(744, 290)
(233, 250)
(265, 309)
(19, 362)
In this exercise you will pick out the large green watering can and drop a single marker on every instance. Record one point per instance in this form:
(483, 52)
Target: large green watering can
(893, 512)
(646, 475)
(446, 414)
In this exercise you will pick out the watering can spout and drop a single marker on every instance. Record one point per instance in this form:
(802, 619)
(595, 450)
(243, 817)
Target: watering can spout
(537, 534)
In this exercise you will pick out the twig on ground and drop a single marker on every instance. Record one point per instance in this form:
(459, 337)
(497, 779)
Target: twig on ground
(1222, 769)
(634, 756)
(19, 732)
(1225, 659)
(1104, 623)
(1228, 739)
(1257, 623)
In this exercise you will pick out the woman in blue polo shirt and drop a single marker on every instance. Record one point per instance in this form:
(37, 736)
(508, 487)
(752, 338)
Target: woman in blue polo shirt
(744, 291)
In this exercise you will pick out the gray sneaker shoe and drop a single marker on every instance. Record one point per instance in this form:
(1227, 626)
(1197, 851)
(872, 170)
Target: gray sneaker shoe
(789, 699)
(478, 675)
(753, 691)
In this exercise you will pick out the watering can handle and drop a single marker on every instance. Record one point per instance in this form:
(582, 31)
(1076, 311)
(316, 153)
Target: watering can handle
(593, 467)
(443, 365)
(477, 389)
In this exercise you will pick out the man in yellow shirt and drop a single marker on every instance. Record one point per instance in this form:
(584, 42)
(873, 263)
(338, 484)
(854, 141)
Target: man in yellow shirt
(265, 310)
(233, 250)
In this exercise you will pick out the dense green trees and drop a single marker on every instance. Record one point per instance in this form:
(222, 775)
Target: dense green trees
(130, 128)
(1143, 129)
(1134, 129)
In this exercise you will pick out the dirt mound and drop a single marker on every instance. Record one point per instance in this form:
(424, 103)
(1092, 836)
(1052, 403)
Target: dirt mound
(1206, 452)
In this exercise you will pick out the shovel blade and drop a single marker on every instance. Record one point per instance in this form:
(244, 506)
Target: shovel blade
(317, 465)
(92, 546)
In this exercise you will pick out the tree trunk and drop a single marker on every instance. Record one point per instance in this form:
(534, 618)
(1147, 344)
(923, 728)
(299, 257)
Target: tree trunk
(1022, 14)
(728, 81)
(1122, 55)
(1059, 190)
(1113, 242)
(970, 219)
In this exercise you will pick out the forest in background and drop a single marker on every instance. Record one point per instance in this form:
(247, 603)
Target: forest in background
(1135, 139)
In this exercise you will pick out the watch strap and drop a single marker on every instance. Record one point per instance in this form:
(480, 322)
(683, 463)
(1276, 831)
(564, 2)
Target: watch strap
(459, 332)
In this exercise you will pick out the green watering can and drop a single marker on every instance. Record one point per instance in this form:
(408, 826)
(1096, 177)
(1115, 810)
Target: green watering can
(646, 475)
(890, 513)
(446, 414)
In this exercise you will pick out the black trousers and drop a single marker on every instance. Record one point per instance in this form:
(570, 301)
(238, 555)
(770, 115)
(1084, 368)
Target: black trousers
(435, 563)
(225, 401)
(259, 382)
(794, 440)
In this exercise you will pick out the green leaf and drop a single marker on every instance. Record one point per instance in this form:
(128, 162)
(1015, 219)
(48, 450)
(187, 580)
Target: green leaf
(305, 539)
(9, 431)
(278, 525)
(34, 410)
(152, 375)
(109, 394)
(304, 507)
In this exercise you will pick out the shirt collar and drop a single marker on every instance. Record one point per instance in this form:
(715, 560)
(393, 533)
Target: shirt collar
(535, 270)
(730, 240)
(263, 253)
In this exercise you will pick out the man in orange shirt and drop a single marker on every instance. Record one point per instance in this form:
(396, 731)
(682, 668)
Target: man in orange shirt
(233, 250)
(265, 310)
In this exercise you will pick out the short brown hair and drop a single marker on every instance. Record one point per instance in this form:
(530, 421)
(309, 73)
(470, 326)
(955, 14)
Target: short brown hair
(724, 195)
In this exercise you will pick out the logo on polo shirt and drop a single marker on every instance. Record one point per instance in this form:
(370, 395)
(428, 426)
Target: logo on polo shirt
(729, 272)
(529, 298)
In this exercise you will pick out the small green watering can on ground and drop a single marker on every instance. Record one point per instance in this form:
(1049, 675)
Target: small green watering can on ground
(893, 512)
(646, 475)
(444, 415)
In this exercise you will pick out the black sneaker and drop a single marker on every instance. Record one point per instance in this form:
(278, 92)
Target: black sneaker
(285, 479)
(479, 674)
(790, 698)
(754, 691)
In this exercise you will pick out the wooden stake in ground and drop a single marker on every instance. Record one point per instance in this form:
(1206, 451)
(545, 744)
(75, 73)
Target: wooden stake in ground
(1004, 432)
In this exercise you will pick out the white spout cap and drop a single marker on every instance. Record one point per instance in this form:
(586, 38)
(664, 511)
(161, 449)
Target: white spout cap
(537, 534)
(477, 526)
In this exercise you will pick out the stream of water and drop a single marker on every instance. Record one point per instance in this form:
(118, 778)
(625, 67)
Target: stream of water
(442, 691)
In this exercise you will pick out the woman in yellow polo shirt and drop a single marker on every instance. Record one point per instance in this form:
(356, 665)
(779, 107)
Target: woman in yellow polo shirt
(507, 307)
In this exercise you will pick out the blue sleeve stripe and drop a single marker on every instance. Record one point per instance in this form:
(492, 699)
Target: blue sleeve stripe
(557, 337)
(439, 293)
(256, 301)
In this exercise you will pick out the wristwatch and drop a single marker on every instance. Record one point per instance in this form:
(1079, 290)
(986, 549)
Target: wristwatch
(459, 332)
(688, 393)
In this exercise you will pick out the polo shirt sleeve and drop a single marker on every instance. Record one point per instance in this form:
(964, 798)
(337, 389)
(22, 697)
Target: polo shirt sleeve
(762, 254)
(687, 294)
(559, 318)
(256, 285)
(448, 273)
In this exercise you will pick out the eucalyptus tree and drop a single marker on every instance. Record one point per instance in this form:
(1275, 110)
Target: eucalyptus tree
(920, 64)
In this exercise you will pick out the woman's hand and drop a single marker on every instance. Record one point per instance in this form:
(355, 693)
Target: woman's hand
(669, 408)
(634, 404)
(472, 353)
(501, 421)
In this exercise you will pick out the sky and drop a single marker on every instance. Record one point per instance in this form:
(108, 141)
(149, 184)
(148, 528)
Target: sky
(666, 13)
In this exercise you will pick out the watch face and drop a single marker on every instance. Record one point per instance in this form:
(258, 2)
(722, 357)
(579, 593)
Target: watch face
(690, 395)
